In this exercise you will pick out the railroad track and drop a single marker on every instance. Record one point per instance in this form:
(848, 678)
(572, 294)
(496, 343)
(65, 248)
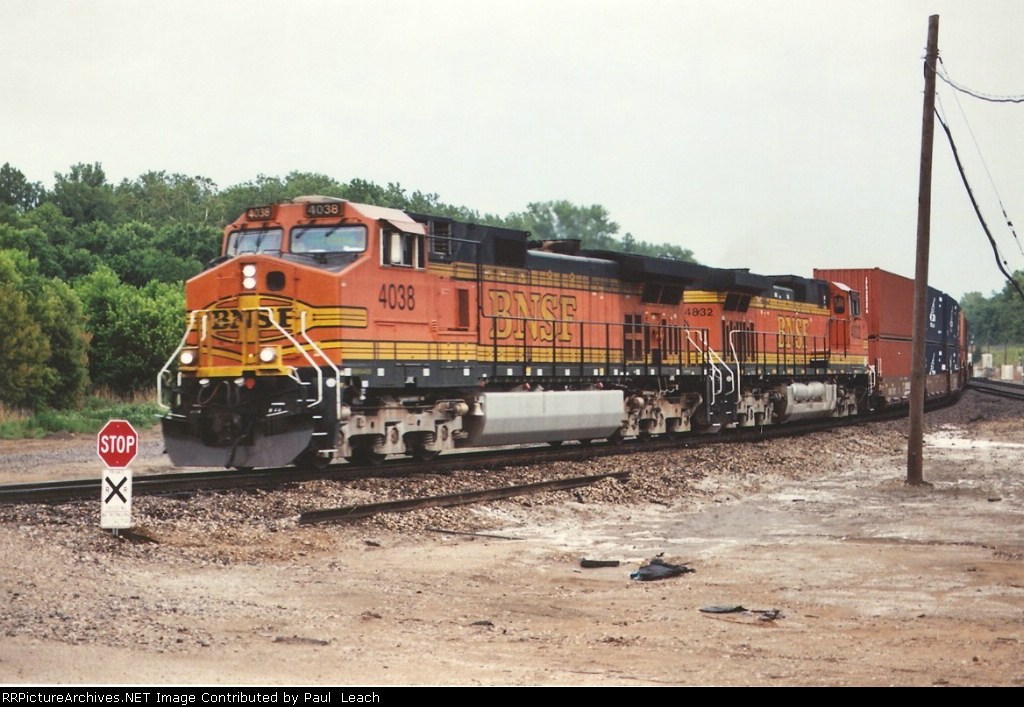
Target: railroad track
(184, 484)
(345, 513)
(1003, 389)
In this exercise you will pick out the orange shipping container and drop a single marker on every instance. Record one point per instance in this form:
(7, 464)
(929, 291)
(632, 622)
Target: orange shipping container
(887, 299)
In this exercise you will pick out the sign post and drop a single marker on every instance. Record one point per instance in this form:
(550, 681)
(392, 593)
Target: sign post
(117, 444)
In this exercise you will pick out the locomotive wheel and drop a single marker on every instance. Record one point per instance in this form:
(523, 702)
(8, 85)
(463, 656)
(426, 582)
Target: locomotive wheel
(364, 455)
(416, 444)
(309, 459)
(424, 455)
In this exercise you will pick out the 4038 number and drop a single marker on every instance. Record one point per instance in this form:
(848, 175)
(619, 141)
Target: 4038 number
(397, 296)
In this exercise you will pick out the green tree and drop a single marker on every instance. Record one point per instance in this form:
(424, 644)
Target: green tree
(195, 244)
(591, 225)
(34, 243)
(59, 229)
(997, 319)
(665, 250)
(69, 259)
(83, 194)
(363, 192)
(59, 313)
(310, 184)
(17, 191)
(159, 198)
(125, 249)
(550, 220)
(25, 377)
(133, 330)
(234, 200)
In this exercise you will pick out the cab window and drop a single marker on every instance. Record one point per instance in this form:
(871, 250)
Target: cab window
(402, 249)
(854, 304)
(254, 240)
(328, 239)
(839, 304)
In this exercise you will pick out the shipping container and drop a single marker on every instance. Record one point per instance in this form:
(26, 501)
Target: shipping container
(954, 317)
(887, 299)
(936, 358)
(944, 317)
(954, 357)
(890, 357)
(891, 361)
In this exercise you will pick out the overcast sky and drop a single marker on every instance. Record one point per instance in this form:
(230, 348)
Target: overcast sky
(774, 135)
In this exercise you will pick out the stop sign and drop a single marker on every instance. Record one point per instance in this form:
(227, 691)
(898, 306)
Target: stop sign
(117, 444)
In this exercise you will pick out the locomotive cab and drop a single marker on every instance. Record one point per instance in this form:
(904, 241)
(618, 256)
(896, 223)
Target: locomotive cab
(257, 378)
(845, 320)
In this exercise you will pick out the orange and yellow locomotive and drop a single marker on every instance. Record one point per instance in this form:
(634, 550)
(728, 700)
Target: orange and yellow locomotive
(334, 329)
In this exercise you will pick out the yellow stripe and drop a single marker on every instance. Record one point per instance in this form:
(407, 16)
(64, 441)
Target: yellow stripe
(788, 307)
(533, 278)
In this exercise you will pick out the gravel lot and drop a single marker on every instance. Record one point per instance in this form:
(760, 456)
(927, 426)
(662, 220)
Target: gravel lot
(845, 575)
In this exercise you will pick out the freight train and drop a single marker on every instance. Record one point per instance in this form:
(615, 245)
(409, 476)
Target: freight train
(330, 329)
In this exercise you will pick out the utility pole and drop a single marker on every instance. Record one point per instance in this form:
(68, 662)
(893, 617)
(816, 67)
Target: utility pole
(918, 380)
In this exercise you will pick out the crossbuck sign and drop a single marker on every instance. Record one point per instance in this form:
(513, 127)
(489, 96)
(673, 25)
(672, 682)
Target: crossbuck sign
(117, 445)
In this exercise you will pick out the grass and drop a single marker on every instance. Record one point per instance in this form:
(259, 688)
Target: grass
(1002, 354)
(141, 410)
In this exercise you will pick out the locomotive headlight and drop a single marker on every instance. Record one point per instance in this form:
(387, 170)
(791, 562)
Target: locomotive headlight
(187, 357)
(249, 276)
(268, 355)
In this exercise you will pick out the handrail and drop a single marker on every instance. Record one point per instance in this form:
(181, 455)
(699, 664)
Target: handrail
(286, 334)
(581, 325)
(329, 362)
(299, 347)
(174, 356)
(716, 373)
(721, 361)
(736, 358)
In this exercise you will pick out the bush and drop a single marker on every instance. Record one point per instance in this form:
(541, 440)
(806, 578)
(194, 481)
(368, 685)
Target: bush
(17, 424)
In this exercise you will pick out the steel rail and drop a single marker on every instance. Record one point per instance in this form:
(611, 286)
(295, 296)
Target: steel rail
(347, 513)
(1002, 389)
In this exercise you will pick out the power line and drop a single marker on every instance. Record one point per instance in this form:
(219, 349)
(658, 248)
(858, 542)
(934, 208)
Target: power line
(988, 172)
(971, 92)
(1000, 263)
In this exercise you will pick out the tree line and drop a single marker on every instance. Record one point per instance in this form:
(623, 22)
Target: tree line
(92, 273)
(997, 319)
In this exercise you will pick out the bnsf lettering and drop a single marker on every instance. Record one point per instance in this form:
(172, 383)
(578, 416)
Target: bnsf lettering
(541, 316)
(231, 319)
(795, 327)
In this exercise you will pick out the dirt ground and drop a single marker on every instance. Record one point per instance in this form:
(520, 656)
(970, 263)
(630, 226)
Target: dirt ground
(837, 571)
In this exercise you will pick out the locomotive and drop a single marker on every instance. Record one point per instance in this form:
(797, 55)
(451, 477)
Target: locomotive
(329, 329)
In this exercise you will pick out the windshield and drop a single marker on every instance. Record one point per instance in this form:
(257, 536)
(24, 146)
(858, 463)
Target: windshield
(329, 239)
(259, 240)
